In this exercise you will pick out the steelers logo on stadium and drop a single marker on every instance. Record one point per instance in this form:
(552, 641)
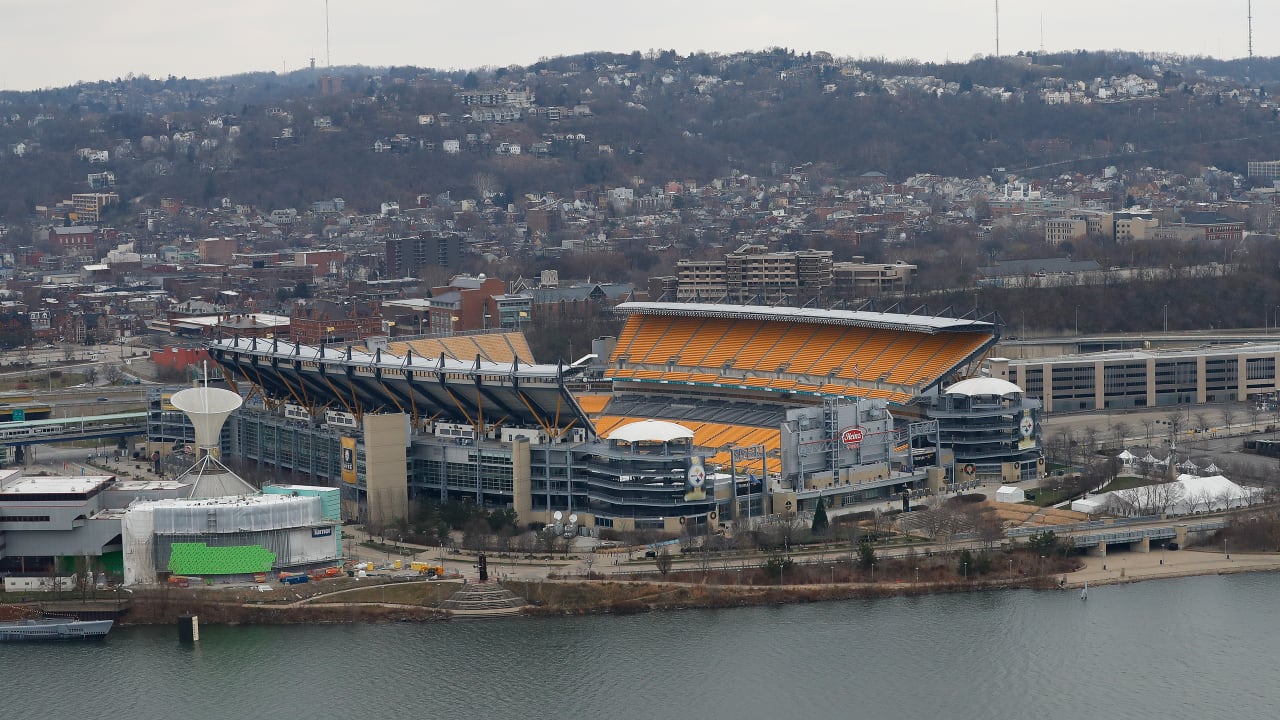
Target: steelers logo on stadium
(1026, 427)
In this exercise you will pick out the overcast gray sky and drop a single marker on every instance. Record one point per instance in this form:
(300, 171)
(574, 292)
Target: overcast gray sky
(49, 43)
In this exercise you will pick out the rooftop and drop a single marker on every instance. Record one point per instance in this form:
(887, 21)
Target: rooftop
(1167, 354)
(227, 501)
(143, 485)
(822, 316)
(69, 485)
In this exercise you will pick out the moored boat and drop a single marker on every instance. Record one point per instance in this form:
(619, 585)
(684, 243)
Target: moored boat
(51, 629)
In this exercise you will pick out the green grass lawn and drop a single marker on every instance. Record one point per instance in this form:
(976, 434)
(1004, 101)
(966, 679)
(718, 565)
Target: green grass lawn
(1125, 482)
(1046, 497)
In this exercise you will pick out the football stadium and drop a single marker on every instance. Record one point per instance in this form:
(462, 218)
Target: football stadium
(713, 413)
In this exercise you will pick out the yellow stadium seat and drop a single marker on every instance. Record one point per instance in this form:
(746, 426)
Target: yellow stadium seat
(739, 335)
(749, 356)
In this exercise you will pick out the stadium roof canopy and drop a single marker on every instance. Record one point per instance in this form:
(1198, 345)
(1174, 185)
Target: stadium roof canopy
(982, 387)
(857, 318)
(477, 393)
(651, 431)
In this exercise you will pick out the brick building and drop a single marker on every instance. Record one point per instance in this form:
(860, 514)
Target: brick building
(317, 321)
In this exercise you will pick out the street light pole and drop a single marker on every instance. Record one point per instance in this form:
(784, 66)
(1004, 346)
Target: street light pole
(1166, 317)
(1077, 320)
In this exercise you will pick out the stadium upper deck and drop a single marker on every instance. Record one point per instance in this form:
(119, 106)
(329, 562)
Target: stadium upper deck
(477, 392)
(794, 351)
(503, 347)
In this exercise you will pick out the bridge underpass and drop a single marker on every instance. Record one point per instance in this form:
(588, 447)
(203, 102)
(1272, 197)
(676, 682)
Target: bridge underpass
(1085, 537)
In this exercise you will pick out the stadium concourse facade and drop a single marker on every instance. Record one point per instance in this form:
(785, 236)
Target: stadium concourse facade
(713, 412)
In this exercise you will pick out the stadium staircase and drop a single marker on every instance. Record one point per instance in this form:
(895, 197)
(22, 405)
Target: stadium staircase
(480, 600)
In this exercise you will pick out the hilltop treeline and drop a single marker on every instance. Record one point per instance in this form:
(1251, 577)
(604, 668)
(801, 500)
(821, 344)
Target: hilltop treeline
(647, 118)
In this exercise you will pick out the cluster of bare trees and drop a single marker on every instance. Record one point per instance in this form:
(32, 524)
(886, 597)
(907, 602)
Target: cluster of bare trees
(1257, 530)
(945, 519)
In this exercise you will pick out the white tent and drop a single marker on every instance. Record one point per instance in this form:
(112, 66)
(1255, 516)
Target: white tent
(1150, 459)
(1187, 495)
(1010, 494)
(1127, 458)
(1089, 505)
(1189, 466)
(1213, 469)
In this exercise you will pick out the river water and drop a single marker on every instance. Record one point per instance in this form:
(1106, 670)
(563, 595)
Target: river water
(1186, 648)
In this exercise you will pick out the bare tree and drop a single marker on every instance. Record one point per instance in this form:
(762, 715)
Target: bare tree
(1200, 501)
(112, 373)
(1154, 499)
(477, 535)
(1121, 431)
(1175, 421)
(486, 185)
(985, 522)
(1228, 416)
(663, 562)
(1202, 420)
(1148, 425)
(1063, 442)
(941, 522)
(878, 525)
(1090, 440)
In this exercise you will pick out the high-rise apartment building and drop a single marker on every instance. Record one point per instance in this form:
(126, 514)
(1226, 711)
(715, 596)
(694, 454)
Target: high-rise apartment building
(405, 256)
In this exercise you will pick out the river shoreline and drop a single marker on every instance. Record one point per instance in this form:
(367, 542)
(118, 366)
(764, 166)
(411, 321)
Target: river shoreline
(1159, 565)
(561, 598)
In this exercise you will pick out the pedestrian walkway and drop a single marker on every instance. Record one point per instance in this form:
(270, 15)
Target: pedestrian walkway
(1131, 567)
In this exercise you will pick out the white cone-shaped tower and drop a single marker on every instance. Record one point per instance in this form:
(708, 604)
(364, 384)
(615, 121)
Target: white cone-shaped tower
(207, 408)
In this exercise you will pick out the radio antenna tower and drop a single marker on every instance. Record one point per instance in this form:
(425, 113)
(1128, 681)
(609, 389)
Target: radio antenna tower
(1248, 69)
(327, 60)
(997, 28)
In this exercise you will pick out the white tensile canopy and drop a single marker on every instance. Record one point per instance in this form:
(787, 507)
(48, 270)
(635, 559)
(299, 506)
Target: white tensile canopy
(1010, 494)
(1187, 495)
(1088, 505)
